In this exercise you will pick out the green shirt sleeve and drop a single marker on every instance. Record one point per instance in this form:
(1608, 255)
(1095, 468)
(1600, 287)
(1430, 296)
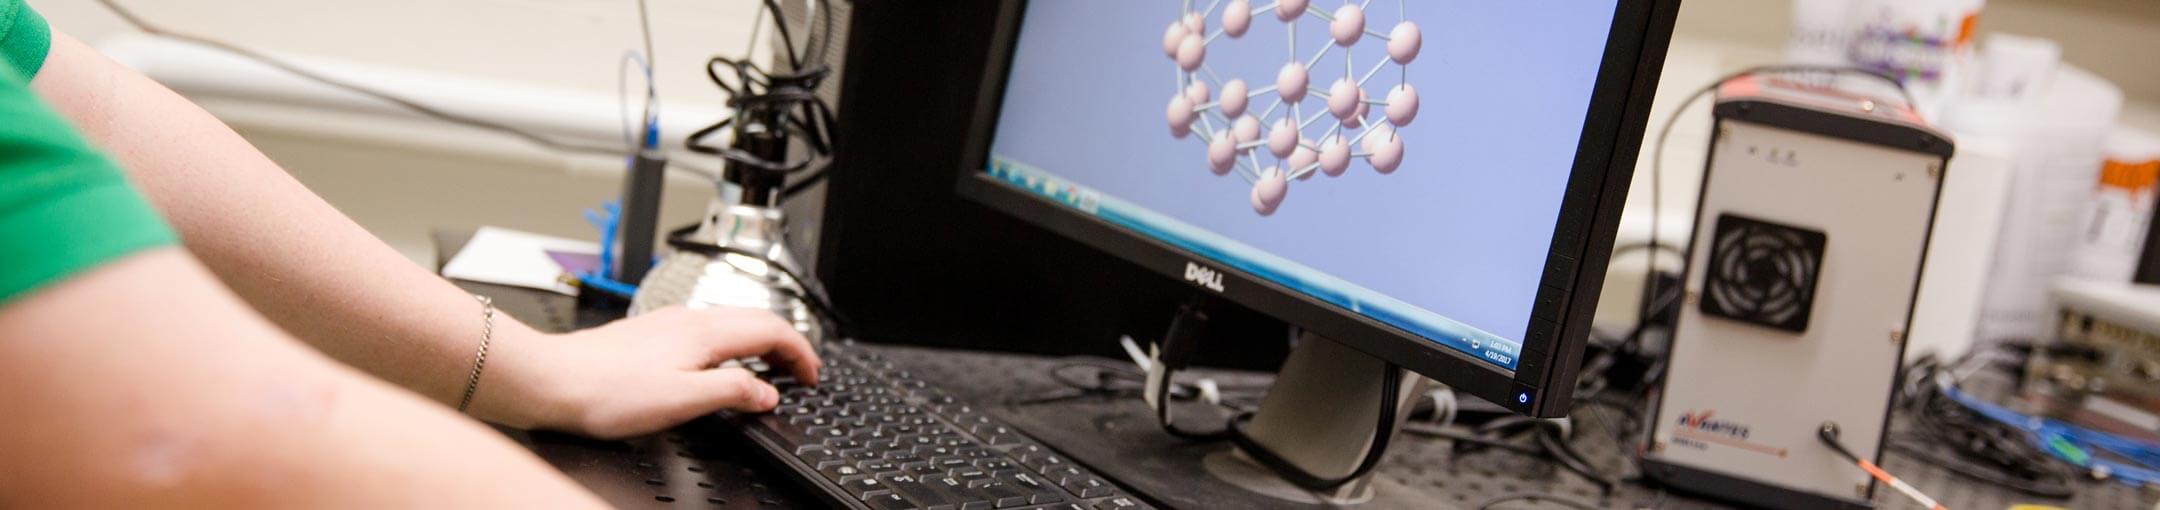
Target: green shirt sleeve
(64, 208)
(24, 38)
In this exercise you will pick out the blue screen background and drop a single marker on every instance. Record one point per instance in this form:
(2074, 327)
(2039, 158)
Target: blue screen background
(1460, 230)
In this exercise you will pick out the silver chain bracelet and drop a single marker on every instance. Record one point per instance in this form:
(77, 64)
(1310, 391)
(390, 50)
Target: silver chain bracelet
(487, 333)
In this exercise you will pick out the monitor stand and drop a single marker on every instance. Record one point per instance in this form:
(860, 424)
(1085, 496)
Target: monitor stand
(1319, 415)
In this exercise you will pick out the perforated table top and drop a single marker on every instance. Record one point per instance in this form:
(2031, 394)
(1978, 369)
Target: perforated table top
(705, 464)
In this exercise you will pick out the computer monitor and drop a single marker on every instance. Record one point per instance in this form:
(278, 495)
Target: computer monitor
(1446, 201)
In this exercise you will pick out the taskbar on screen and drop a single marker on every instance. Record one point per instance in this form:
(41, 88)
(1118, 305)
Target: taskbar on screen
(1491, 348)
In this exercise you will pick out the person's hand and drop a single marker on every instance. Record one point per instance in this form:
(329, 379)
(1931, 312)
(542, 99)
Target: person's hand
(641, 374)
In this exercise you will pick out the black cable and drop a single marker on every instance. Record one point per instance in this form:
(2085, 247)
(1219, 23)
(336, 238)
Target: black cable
(1568, 458)
(819, 305)
(416, 107)
(1981, 449)
(645, 29)
(2050, 488)
(1390, 395)
(786, 41)
(803, 184)
(1162, 416)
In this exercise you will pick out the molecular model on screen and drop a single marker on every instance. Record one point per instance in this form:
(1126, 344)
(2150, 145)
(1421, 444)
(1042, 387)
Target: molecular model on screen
(1235, 145)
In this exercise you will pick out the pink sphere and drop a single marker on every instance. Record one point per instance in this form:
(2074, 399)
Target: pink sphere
(1402, 104)
(1283, 138)
(1348, 26)
(1171, 37)
(1195, 24)
(1404, 42)
(1180, 115)
(1335, 156)
(1197, 92)
(1246, 129)
(1291, 82)
(1287, 10)
(1363, 110)
(1387, 154)
(1237, 17)
(1233, 98)
(1190, 52)
(1221, 154)
(1380, 133)
(1268, 193)
(1342, 99)
(1302, 157)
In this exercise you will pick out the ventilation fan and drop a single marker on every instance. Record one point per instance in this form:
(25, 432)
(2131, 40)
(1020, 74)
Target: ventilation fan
(1762, 273)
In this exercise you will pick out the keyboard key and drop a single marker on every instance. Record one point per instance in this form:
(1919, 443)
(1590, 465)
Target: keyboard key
(920, 468)
(903, 456)
(950, 462)
(1028, 482)
(863, 488)
(861, 454)
(1088, 487)
(1042, 462)
(840, 471)
(1060, 475)
(929, 493)
(889, 501)
(877, 466)
(933, 451)
(1118, 503)
(816, 454)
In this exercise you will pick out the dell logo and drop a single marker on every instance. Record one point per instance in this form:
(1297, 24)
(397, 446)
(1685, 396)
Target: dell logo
(1203, 276)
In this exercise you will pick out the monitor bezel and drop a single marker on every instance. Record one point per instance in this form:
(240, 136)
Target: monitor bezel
(1559, 326)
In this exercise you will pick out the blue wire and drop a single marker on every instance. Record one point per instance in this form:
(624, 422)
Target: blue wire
(2043, 433)
(606, 220)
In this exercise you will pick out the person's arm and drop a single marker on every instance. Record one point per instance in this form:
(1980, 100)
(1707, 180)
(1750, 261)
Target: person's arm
(325, 279)
(143, 383)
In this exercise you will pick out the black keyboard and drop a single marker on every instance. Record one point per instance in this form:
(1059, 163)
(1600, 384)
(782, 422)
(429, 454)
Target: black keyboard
(873, 436)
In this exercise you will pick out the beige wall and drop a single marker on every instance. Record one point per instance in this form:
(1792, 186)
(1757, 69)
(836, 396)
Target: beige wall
(574, 44)
(400, 190)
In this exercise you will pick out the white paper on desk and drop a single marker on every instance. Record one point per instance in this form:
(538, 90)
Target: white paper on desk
(509, 257)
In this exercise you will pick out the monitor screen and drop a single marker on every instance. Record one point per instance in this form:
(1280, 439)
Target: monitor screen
(1404, 161)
